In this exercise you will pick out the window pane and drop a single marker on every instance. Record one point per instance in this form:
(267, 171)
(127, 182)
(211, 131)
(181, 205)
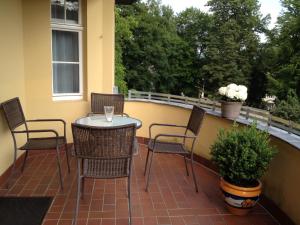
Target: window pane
(58, 9)
(72, 8)
(65, 78)
(65, 46)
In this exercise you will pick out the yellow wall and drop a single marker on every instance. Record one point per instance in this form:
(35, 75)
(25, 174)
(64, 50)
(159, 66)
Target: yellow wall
(98, 29)
(12, 70)
(281, 183)
(25, 62)
(157, 113)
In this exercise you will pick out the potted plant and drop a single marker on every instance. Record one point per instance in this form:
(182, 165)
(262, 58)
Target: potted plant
(232, 99)
(242, 156)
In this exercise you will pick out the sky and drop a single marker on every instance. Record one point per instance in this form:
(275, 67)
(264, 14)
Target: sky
(271, 7)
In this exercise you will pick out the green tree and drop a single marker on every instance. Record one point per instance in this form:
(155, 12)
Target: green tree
(193, 26)
(286, 71)
(233, 41)
(290, 108)
(151, 57)
(123, 28)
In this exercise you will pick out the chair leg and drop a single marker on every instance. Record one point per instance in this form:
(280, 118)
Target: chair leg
(59, 168)
(146, 162)
(193, 172)
(129, 198)
(148, 178)
(82, 188)
(67, 156)
(24, 161)
(79, 178)
(186, 166)
(12, 169)
(82, 181)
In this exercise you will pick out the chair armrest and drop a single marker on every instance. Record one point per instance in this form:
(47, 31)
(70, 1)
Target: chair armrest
(35, 131)
(164, 125)
(125, 114)
(50, 120)
(173, 135)
(47, 120)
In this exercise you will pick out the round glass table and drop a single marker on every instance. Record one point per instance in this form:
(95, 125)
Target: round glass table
(100, 121)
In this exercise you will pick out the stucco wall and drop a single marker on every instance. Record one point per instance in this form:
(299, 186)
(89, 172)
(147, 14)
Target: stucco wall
(281, 182)
(25, 62)
(98, 30)
(12, 70)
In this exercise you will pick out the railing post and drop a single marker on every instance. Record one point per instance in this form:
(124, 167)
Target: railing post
(185, 100)
(129, 94)
(214, 106)
(169, 98)
(247, 113)
(269, 119)
(290, 126)
(149, 95)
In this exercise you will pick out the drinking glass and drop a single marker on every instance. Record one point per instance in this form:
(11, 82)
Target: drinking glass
(109, 113)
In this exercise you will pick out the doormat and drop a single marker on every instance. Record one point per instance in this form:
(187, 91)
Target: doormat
(23, 210)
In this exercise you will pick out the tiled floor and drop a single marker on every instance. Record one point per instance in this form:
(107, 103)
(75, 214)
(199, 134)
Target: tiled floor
(171, 198)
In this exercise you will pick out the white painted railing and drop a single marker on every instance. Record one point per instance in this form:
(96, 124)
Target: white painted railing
(246, 112)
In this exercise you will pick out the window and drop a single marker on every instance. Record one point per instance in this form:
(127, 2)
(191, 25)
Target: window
(66, 49)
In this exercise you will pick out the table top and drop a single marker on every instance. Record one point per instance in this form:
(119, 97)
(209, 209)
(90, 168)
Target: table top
(100, 121)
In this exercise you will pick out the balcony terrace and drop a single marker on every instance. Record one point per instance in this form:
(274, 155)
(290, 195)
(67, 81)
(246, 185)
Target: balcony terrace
(26, 63)
(171, 198)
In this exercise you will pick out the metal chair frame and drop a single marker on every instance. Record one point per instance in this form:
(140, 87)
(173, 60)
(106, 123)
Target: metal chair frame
(15, 102)
(198, 113)
(81, 162)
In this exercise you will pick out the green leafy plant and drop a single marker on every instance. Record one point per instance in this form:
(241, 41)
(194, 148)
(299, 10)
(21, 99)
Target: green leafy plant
(242, 154)
(289, 109)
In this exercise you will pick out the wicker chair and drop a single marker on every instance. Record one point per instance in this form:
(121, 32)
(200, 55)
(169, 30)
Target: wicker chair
(103, 153)
(98, 101)
(156, 146)
(15, 118)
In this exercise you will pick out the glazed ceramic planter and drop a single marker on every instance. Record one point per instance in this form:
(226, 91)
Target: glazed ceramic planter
(231, 110)
(240, 200)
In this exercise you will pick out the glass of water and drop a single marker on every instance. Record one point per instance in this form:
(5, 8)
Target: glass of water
(109, 113)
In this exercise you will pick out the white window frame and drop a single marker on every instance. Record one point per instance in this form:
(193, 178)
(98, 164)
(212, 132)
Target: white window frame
(65, 25)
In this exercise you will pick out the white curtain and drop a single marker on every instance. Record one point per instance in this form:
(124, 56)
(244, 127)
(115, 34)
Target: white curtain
(65, 57)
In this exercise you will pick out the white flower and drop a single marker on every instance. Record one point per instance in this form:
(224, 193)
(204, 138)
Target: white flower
(231, 93)
(232, 87)
(269, 99)
(242, 89)
(242, 95)
(235, 92)
(222, 90)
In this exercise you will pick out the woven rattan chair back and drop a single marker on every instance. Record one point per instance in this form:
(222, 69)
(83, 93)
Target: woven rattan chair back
(98, 101)
(103, 143)
(196, 119)
(103, 153)
(13, 113)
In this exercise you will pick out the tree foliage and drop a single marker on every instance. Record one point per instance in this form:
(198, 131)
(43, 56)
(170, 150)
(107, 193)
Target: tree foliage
(123, 28)
(159, 51)
(289, 108)
(285, 74)
(233, 41)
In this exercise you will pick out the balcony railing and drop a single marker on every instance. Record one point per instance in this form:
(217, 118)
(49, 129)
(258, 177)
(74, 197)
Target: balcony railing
(249, 113)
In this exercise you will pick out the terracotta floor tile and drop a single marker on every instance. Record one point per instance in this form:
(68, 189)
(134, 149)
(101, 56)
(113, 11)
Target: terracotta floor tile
(163, 220)
(171, 199)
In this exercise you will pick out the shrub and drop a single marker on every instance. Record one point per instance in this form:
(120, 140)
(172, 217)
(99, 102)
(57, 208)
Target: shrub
(289, 109)
(242, 154)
